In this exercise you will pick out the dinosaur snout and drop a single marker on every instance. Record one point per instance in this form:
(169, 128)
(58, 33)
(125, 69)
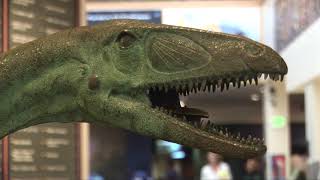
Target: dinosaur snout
(268, 62)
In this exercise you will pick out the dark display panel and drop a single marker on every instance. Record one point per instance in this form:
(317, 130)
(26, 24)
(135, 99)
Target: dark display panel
(46, 151)
(1, 26)
(1, 52)
(293, 17)
(31, 19)
(43, 152)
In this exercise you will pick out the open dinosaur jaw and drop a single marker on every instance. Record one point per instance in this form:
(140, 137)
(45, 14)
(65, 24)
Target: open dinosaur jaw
(189, 118)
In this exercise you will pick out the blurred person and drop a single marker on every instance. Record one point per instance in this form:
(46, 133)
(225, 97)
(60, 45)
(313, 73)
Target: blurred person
(253, 170)
(298, 166)
(216, 169)
(171, 173)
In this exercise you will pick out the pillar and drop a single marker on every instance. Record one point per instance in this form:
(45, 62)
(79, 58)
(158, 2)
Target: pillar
(312, 107)
(276, 130)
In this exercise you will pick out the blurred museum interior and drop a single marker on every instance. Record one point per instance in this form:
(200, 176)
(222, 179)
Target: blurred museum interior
(286, 115)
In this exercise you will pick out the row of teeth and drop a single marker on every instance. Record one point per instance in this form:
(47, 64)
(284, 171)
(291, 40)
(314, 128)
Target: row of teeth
(210, 85)
(213, 129)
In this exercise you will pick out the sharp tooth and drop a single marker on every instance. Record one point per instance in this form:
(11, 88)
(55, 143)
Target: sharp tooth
(221, 132)
(222, 87)
(195, 124)
(245, 82)
(203, 85)
(190, 85)
(271, 76)
(239, 83)
(185, 92)
(245, 78)
(250, 80)
(213, 87)
(256, 80)
(259, 75)
(234, 83)
(199, 86)
(238, 138)
(219, 82)
(209, 87)
(227, 85)
(265, 76)
(282, 76)
(184, 118)
(161, 87)
(166, 88)
(147, 91)
(183, 86)
(195, 90)
(170, 112)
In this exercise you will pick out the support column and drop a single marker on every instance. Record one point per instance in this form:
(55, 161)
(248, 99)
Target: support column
(276, 130)
(312, 110)
(275, 105)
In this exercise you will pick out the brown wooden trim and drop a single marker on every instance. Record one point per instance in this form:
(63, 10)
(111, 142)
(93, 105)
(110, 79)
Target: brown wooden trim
(77, 125)
(78, 150)
(5, 158)
(5, 25)
(5, 47)
(77, 13)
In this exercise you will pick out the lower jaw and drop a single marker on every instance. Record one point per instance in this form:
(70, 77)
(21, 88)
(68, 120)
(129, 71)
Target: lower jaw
(186, 134)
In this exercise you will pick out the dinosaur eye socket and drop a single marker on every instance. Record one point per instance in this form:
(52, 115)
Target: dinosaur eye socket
(126, 39)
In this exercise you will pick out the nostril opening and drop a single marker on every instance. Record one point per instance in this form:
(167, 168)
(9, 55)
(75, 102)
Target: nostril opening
(254, 50)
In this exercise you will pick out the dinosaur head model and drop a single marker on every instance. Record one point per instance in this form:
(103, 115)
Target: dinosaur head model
(122, 72)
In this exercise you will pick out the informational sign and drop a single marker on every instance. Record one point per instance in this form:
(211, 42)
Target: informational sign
(101, 16)
(278, 122)
(31, 19)
(46, 151)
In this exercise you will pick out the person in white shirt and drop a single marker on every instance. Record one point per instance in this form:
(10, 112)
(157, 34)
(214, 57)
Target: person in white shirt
(216, 169)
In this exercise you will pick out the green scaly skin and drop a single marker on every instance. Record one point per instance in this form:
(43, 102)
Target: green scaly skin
(103, 74)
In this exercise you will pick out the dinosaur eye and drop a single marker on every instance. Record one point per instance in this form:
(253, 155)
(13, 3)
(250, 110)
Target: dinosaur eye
(126, 39)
